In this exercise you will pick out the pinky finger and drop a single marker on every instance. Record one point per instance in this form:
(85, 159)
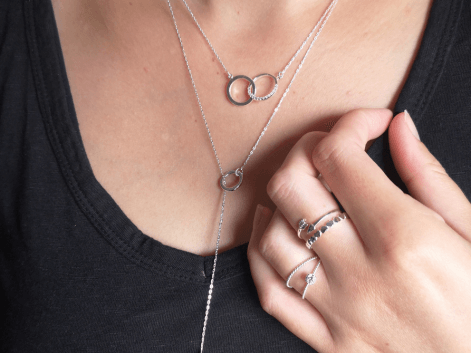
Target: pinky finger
(285, 305)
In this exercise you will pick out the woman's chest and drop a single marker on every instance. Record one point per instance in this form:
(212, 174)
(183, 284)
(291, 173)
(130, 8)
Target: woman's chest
(143, 129)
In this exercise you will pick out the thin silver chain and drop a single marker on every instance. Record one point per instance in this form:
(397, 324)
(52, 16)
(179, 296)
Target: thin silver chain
(322, 21)
(280, 74)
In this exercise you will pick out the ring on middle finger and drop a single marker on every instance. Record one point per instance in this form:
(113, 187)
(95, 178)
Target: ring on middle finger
(325, 228)
(302, 224)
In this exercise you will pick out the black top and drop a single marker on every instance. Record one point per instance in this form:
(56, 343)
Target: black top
(78, 276)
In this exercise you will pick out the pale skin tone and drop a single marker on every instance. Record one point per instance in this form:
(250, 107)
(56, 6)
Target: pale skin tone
(394, 277)
(141, 126)
(139, 119)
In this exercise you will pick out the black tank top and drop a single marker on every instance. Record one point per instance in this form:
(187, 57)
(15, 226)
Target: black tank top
(78, 276)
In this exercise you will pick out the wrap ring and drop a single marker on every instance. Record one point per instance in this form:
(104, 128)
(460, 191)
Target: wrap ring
(302, 224)
(325, 228)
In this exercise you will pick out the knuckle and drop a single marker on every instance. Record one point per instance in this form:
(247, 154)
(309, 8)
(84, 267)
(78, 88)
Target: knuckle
(268, 296)
(330, 152)
(436, 168)
(400, 247)
(281, 185)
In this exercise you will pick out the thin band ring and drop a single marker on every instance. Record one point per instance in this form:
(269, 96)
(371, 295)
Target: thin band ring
(297, 268)
(311, 278)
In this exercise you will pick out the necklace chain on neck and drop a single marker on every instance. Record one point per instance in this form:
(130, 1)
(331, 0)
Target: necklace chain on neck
(239, 171)
(229, 75)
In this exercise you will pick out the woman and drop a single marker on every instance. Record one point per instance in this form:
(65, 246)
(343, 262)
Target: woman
(111, 190)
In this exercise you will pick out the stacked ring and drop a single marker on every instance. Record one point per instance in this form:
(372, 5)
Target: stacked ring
(325, 228)
(301, 226)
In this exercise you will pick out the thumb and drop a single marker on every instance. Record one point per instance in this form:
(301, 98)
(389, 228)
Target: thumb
(425, 178)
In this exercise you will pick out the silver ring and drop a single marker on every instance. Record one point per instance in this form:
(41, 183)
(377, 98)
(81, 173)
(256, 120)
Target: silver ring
(222, 181)
(302, 224)
(313, 226)
(228, 89)
(325, 228)
(311, 278)
(297, 268)
(254, 97)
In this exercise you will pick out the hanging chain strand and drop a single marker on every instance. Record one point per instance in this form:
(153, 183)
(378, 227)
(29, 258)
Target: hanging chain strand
(194, 88)
(207, 40)
(329, 9)
(323, 20)
(211, 286)
(280, 74)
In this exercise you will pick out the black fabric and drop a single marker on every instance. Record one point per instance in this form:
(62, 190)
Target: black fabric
(78, 276)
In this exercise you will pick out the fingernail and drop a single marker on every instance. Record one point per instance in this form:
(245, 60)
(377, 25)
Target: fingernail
(411, 124)
(260, 213)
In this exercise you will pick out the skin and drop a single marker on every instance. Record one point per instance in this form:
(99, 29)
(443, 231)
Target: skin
(399, 268)
(144, 137)
(140, 122)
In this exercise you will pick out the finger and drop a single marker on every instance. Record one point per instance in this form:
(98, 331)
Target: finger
(284, 251)
(295, 188)
(425, 178)
(362, 188)
(297, 193)
(297, 315)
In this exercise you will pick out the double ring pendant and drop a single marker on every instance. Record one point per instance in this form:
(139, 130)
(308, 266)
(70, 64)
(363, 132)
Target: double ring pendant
(251, 92)
(251, 89)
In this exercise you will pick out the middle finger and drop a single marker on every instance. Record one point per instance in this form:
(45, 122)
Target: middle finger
(298, 193)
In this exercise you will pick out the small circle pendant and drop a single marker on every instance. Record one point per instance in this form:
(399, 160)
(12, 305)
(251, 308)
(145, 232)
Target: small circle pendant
(228, 89)
(222, 181)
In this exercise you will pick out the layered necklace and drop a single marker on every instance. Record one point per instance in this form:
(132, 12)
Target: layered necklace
(251, 88)
(239, 172)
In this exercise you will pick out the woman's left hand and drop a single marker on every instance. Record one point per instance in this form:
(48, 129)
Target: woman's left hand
(395, 276)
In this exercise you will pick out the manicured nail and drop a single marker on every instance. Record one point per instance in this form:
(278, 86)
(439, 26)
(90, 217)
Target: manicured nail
(260, 213)
(411, 124)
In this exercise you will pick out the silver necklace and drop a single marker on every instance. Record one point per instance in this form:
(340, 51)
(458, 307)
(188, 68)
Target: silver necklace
(251, 90)
(239, 171)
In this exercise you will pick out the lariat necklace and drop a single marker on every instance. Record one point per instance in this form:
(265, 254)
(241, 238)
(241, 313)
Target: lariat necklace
(239, 171)
(251, 88)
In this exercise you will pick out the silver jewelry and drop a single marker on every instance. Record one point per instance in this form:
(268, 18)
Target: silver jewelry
(251, 88)
(297, 268)
(325, 228)
(229, 85)
(311, 279)
(254, 97)
(239, 171)
(313, 226)
(302, 224)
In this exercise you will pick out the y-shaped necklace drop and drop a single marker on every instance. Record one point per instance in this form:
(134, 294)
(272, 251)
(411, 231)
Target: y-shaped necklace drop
(239, 171)
(251, 88)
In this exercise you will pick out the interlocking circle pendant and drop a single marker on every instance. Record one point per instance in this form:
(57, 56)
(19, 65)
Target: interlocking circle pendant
(254, 97)
(228, 89)
(222, 181)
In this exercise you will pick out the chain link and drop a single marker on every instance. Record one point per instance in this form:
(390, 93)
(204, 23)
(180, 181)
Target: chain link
(239, 171)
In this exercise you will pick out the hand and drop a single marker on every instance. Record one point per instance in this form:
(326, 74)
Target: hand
(395, 277)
